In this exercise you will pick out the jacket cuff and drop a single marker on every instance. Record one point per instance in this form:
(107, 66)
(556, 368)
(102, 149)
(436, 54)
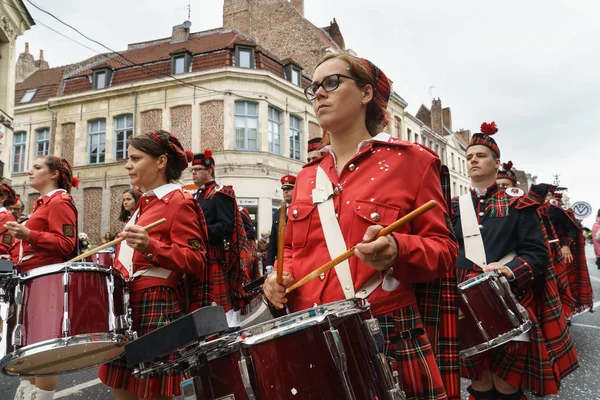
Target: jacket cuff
(151, 253)
(522, 272)
(569, 242)
(34, 237)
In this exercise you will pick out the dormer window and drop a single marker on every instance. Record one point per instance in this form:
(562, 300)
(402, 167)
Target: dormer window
(101, 78)
(181, 63)
(293, 74)
(28, 96)
(244, 57)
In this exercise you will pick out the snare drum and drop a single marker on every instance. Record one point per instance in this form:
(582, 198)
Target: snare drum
(65, 317)
(490, 314)
(326, 352)
(103, 257)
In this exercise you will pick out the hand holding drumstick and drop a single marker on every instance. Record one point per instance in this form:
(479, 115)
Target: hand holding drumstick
(379, 250)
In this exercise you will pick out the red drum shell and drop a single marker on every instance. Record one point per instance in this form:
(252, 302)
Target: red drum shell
(104, 257)
(491, 309)
(90, 336)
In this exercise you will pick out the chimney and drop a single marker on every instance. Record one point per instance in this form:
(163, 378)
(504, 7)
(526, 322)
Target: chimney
(447, 118)
(299, 5)
(25, 65)
(436, 117)
(41, 63)
(180, 33)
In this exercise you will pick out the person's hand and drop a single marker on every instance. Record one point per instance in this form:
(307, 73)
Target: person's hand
(17, 230)
(136, 237)
(274, 291)
(566, 250)
(381, 253)
(503, 269)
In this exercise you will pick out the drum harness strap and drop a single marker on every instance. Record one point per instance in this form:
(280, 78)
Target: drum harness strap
(126, 258)
(474, 249)
(322, 196)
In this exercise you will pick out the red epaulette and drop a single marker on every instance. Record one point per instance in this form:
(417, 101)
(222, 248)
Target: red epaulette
(226, 190)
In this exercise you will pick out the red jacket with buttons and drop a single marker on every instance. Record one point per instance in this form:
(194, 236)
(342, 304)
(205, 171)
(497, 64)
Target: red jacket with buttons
(53, 226)
(178, 245)
(381, 183)
(7, 239)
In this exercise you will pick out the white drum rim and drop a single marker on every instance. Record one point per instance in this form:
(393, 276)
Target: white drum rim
(69, 267)
(495, 342)
(51, 344)
(476, 280)
(309, 317)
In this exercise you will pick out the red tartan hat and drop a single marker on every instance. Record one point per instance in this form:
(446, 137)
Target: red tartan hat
(313, 144)
(11, 196)
(204, 159)
(485, 139)
(507, 173)
(288, 182)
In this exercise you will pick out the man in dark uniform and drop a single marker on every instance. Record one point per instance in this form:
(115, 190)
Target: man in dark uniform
(219, 206)
(287, 186)
(503, 224)
(506, 177)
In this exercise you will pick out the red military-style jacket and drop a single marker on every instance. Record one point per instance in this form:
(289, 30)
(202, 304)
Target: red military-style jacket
(384, 181)
(178, 245)
(53, 226)
(7, 239)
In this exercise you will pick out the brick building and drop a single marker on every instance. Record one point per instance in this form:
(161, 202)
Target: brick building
(237, 90)
(14, 21)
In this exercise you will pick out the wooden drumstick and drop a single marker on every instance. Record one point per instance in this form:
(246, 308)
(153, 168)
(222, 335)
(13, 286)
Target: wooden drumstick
(348, 253)
(113, 242)
(280, 241)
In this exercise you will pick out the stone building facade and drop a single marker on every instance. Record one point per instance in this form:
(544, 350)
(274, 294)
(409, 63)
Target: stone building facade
(222, 89)
(14, 21)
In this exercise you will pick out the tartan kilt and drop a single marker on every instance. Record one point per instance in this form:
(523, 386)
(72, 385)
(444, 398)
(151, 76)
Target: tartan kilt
(579, 277)
(419, 374)
(562, 281)
(218, 288)
(152, 308)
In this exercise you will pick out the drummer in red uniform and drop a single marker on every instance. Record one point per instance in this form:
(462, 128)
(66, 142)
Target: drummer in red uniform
(47, 237)
(374, 180)
(7, 199)
(509, 229)
(154, 262)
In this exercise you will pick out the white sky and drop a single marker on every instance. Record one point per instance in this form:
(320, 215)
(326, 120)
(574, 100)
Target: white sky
(531, 66)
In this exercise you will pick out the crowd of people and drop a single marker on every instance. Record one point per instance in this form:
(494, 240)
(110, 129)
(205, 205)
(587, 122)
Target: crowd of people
(358, 180)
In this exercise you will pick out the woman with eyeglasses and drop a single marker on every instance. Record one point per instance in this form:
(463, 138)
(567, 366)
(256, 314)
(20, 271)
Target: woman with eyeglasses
(376, 179)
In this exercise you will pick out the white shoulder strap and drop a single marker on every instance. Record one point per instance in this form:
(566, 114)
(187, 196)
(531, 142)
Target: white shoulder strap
(474, 249)
(322, 196)
(125, 251)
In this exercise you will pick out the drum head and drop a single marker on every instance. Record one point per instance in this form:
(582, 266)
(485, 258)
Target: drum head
(70, 267)
(63, 355)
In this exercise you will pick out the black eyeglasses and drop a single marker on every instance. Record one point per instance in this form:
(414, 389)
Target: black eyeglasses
(198, 169)
(329, 84)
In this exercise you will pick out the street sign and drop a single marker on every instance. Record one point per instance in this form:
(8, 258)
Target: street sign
(581, 209)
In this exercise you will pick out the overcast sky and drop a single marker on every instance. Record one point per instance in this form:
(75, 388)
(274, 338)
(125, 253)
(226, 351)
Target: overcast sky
(532, 66)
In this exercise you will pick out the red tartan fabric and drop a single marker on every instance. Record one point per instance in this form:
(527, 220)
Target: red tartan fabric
(577, 270)
(152, 308)
(437, 301)
(419, 376)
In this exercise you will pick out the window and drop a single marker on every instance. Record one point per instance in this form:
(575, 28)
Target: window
(295, 134)
(274, 131)
(123, 131)
(181, 63)
(101, 78)
(464, 166)
(18, 164)
(42, 142)
(416, 138)
(293, 74)
(296, 77)
(28, 96)
(452, 157)
(454, 189)
(97, 141)
(244, 57)
(409, 134)
(246, 125)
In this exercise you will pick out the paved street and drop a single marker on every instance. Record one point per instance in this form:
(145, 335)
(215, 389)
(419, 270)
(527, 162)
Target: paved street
(581, 385)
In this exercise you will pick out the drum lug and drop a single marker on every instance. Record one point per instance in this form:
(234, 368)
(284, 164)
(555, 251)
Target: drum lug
(246, 367)
(17, 336)
(484, 333)
(338, 354)
(66, 325)
(374, 330)
(511, 315)
(112, 319)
